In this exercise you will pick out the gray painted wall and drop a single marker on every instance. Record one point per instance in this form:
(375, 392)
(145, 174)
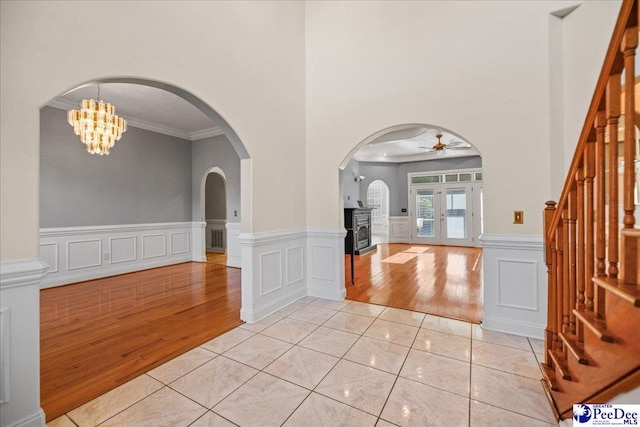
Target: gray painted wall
(351, 188)
(395, 176)
(218, 152)
(145, 179)
(215, 205)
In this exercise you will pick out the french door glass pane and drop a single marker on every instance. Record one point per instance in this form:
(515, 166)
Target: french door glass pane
(456, 214)
(425, 213)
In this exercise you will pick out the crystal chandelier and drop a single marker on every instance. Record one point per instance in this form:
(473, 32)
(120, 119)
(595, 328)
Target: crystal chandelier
(97, 125)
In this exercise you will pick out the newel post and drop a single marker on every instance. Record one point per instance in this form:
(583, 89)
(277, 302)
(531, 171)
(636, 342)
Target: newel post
(551, 329)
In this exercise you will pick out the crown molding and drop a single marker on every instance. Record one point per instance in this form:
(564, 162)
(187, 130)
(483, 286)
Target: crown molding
(146, 125)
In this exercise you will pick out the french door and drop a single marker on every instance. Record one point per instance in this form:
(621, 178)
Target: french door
(442, 214)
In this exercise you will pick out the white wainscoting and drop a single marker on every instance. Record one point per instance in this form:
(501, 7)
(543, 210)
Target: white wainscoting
(83, 253)
(216, 226)
(20, 343)
(399, 229)
(325, 264)
(234, 254)
(515, 287)
(273, 271)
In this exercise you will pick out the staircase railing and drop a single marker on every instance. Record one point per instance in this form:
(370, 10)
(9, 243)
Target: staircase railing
(591, 247)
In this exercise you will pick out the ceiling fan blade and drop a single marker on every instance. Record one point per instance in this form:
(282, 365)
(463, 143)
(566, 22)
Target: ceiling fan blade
(456, 143)
(459, 147)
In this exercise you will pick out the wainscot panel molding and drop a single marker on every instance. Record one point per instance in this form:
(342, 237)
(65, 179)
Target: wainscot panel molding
(325, 263)
(515, 288)
(84, 253)
(399, 229)
(234, 254)
(273, 273)
(20, 342)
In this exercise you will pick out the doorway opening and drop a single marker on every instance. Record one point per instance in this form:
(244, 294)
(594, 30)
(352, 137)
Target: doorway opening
(378, 200)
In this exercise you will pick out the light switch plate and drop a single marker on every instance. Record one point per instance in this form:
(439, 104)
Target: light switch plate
(518, 217)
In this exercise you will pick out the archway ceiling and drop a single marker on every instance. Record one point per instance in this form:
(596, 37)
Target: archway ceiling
(409, 145)
(147, 108)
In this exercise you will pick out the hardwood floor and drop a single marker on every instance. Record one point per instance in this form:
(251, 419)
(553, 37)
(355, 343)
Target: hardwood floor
(217, 258)
(99, 334)
(441, 280)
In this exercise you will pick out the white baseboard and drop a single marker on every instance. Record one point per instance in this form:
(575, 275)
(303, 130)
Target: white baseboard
(85, 253)
(34, 420)
(515, 284)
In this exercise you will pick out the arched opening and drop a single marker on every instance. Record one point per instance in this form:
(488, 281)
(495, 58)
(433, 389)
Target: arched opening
(215, 212)
(137, 210)
(378, 199)
(431, 180)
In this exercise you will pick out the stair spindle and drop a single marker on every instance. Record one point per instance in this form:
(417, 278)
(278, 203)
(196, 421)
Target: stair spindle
(566, 297)
(628, 47)
(571, 229)
(589, 162)
(613, 114)
(601, 211)
(580, 281)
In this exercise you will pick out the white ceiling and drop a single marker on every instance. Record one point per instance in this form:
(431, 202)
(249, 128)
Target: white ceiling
(414, 143)
(147, 108)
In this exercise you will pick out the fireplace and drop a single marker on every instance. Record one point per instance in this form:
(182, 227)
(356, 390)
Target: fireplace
(357, 221)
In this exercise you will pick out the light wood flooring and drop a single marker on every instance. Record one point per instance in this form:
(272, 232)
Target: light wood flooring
(99, 334)
(441, 280)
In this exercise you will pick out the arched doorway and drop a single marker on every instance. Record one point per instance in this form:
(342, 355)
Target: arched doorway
(378, 199)
(410, 159)
(215, 212)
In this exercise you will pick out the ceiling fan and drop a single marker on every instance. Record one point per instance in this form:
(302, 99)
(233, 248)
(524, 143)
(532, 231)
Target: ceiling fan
(453, 145)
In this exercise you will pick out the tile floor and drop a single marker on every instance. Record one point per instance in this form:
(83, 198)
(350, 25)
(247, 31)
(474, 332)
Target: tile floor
(328, 363)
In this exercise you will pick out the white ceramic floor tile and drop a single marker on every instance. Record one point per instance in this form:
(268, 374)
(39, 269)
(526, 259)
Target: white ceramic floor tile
(414, 404)
(289, 330)
(302, 366)
(181, 365)
(500, 338)
(378, 354)
(313, 314)
(349, 322)
(320, 411)
(358, 386)
(509, 391)
(258, 351)
(62, 421)
(330, 304)
(443, 344)
(383, 423)
(329, 341)
(211, 419)
(483, 415)
(227, 340)
(438, 371)
(163, 408)
(411, 318)
(294, 306)
(263, 401)
(364, 309)
(213, 381)
(114, 401)
(448, 326)
(262, 324)
(392, 332)
(521, 362)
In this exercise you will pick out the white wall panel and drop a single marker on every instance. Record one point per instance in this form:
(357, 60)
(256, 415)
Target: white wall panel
(515, 288)
(399, 229)
(295, 265)
(122, 249)
(83, 253)
(154, 245)
(270, 272)
(233, 244)
(322, 268)
(326, 263)
(179, 243)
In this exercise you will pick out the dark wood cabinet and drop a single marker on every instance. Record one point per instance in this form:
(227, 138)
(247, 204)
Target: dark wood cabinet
(357, 221)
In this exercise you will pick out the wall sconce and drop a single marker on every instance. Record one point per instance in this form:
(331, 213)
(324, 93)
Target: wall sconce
(358, 178)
